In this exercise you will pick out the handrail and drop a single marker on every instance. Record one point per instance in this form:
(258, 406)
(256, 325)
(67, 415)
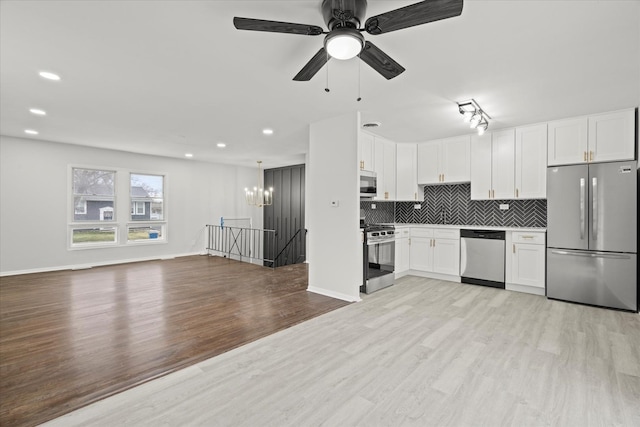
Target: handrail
(241, 242)
(287, 247)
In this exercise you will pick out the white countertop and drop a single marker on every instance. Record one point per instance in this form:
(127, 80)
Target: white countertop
(470, 227)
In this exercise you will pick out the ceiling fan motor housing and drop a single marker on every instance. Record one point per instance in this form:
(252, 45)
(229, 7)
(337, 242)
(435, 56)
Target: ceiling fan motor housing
(343, 13)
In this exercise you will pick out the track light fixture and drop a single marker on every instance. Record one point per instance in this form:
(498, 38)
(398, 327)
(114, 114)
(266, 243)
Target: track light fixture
(474, 115)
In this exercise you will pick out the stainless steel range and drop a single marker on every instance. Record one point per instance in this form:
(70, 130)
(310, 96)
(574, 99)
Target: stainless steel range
(379, 257)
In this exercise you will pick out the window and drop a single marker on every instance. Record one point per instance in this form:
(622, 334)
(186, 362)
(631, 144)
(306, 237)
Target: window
(137, 208)
(93, 190)
(96, 220)
(147, 209)
(147, 197)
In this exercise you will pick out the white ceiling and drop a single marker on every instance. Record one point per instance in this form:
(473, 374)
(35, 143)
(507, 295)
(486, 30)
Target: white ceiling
(170, 77)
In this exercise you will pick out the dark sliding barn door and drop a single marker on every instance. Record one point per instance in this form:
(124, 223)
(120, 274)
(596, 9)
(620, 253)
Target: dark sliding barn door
(286, 214)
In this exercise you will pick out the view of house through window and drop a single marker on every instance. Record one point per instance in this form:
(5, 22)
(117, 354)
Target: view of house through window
(94, 221)
(93, 202)
(147, 207)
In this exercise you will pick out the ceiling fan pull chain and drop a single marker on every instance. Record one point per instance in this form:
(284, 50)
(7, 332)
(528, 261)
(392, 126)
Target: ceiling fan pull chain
(359, 79)
(326, 89)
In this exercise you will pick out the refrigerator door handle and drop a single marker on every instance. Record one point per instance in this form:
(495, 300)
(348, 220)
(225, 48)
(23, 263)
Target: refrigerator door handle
(582, 207)
(591, 254)
(594, 214)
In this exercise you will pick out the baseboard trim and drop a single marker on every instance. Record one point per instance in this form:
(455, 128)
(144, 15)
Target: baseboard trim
(333, 294)
(94, 264)
(439, 276)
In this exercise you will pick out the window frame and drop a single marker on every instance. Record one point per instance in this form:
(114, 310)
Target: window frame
(121, 222)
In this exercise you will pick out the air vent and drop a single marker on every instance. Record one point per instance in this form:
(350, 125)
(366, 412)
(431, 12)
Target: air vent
(371, 125)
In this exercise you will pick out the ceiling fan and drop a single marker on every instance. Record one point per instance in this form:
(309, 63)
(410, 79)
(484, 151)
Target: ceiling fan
(344, 40)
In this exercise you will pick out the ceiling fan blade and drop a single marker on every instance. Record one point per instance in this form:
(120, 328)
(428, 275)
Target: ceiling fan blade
(276, 27)
(415, 14)
(313, 66)
(380, 61)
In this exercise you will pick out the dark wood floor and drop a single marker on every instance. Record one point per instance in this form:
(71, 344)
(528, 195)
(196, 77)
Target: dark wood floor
(70, 338)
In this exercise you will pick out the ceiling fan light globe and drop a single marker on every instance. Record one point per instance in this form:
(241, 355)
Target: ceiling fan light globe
(344, 43)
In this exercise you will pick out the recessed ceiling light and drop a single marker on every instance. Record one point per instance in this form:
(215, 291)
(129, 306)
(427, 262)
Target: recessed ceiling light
(221, 145)
(31, 131)
(38, 112)
(267, 131)
(188, 155)
(49, 76)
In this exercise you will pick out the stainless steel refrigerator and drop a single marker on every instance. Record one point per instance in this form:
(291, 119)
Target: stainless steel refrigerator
(592, 234)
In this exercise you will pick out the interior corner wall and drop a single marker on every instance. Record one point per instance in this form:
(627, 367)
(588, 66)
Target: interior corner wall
(335, 249)
(34, 198)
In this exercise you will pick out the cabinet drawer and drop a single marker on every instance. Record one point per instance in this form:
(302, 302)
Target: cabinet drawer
(535, 238)
(402, 233)
(422, 232)
(446, 233)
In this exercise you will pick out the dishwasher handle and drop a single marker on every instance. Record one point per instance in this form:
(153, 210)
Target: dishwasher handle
(483, 234)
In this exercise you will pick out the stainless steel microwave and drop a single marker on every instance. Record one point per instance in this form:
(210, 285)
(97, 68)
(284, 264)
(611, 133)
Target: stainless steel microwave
(368, 184)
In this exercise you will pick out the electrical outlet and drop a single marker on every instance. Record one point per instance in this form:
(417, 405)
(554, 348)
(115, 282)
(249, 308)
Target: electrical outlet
(373, 205)
(504, 207)
(417, 206)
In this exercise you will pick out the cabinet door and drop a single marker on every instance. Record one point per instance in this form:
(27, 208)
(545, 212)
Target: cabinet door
(378, 166)
(481, 167)
(366, 145)
(402, 255)
(429, 154)
(456, 159)
(446, 256)
(531, 162)
(406, 173)
(527, 266)
(503, 164)
(389, 184)
(421, 254)
(567, 141)
(612, 136)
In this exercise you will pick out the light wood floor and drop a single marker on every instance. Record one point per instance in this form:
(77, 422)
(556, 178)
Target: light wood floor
(421, 353)
(70, 338)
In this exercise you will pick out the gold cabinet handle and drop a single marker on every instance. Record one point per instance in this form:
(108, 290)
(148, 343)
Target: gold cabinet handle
(386, 194)
(528, 237)
(514, 249)
(591, 156)
(493, 194)
(489, 193)
(517, 193)
(584, 156)
(442, 177)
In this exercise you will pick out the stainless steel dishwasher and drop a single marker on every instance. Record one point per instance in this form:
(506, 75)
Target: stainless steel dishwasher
(482, 257)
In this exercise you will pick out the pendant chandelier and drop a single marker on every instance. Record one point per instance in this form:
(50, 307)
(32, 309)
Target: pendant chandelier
(259, 196)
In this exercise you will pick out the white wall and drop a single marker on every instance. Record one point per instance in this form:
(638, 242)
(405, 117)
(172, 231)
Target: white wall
(34, 198)
(335, 249)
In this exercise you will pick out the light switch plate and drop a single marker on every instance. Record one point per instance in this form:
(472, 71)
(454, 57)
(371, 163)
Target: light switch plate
(504, 207)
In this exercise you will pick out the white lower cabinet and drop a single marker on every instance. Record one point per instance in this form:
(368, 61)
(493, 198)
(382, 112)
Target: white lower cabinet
(526, 256)
(402, 251)
(435, 250)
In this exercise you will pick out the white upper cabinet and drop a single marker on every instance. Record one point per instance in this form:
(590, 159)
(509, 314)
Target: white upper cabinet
(444, 161)
(597, 138)
(385, 168)
(481, 166)
(531, 162)
(612, 136)
(502, 164)
(429, 154)
(407, 173)
(366, 150)
(492, 165)
(567, 141)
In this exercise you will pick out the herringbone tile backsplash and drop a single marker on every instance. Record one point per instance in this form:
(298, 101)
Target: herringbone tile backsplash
(452, 204)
